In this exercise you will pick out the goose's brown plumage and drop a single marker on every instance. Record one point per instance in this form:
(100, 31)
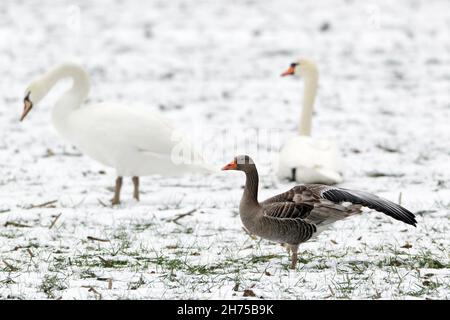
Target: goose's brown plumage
(297, 215)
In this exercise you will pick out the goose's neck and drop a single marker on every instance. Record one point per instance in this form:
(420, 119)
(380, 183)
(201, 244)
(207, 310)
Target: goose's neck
(309, 95)
(250, 196)
(73, 97)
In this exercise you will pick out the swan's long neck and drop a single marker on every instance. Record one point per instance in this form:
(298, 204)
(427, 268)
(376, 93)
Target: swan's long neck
(310, 89)
(73, 97)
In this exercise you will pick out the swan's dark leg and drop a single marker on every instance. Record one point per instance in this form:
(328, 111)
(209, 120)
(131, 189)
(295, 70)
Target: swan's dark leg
(116, 199)
(136, 187)
(294, 258)
(293, 174)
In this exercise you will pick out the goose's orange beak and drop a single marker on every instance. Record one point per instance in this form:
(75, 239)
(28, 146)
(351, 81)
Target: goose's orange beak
(27, 106)
(289, 72)
(231, 166)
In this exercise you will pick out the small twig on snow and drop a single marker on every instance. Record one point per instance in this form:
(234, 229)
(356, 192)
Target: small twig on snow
(43, 205)
(331, 290)
(102, 203)
(54, 221)
(182, 215)
(99, 295)
(16, 224)
(10, 266)
(97, 239)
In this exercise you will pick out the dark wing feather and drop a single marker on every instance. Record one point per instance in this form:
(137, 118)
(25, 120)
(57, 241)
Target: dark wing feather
(283, 218)
(389, 208)
(288, 210)
(282, 197)
(287, 230)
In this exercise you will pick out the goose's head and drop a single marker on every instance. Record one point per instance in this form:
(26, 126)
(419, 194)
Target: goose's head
(33, 94)
(302, 67)
(241, 163)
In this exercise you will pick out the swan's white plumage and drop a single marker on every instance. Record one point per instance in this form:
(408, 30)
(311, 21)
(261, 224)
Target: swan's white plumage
(303, 158)
(132, 139)
(314, 160)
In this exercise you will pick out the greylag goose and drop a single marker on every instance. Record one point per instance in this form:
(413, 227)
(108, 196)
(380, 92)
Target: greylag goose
(301, 213)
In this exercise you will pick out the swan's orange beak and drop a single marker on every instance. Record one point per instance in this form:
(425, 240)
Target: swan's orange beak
(231, 166)
(27, 106)
(289, 72)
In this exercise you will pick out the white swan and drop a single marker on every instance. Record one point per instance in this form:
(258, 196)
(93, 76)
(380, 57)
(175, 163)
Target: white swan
(303, 158)
(133, 140)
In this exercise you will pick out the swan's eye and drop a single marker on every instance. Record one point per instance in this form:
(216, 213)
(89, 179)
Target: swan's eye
(27, 106)
(27, 97)
(293, 65)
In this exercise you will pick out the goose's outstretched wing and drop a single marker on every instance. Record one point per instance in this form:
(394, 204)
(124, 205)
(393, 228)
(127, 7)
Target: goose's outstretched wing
(320, 203)
(372, 201)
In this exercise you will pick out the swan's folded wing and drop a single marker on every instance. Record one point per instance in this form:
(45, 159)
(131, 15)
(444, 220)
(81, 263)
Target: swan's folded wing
(136, 126)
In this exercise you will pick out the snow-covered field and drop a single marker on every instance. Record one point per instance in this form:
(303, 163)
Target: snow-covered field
(213, 68)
